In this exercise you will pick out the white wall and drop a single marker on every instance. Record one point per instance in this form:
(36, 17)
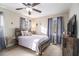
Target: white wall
(43, 21)
(10, 16)
(75, 10)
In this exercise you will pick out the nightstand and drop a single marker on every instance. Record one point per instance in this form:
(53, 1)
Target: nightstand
(10, 41)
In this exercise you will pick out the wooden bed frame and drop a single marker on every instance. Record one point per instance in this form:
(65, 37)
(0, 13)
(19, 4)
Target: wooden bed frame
(42, 46)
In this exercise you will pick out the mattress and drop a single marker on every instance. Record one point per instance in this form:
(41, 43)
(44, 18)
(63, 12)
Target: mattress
(32, 42)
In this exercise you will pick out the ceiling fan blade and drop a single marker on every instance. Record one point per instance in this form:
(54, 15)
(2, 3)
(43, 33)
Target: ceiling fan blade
(24, 4)
(19, 8)
(34, 4)
(36, 10)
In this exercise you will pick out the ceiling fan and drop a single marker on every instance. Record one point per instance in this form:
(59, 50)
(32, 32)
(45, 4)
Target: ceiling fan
(29, 7)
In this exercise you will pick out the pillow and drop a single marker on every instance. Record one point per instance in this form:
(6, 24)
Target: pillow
(22, 32)
(26, 33)
(29, 34)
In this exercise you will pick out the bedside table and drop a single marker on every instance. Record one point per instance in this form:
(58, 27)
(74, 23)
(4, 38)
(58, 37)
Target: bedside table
(10, 41)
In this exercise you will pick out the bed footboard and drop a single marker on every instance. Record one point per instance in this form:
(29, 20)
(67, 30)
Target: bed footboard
(43, 46)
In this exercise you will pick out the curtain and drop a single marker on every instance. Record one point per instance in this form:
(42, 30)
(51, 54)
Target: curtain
(55, 29)
(60, 29)
(2, 41)
(50, 29)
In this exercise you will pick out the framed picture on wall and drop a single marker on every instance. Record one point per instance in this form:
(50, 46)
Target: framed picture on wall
(25, 24)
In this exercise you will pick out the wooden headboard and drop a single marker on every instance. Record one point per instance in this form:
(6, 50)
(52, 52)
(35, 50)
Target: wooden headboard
(17, 32)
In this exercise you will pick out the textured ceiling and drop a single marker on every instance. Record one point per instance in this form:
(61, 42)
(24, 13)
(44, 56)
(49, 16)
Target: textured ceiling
(46, 8)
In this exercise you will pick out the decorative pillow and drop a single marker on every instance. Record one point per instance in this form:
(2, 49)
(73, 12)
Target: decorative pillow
(22, 32)
(29, 33)
(26, 33)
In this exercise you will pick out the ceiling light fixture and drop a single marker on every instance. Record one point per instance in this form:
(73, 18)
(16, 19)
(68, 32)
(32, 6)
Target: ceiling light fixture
(29, 9)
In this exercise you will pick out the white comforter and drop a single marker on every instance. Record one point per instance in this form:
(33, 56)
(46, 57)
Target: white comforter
(32, 42)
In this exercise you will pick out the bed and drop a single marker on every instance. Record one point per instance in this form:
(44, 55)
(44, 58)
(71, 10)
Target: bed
(34, 42)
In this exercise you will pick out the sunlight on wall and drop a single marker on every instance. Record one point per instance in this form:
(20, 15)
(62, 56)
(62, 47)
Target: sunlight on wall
(33, 27)
(43, 30)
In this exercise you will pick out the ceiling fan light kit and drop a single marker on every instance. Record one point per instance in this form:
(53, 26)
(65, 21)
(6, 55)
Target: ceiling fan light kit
(28, 9)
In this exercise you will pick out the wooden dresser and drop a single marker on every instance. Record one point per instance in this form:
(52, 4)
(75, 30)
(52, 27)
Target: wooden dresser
(69, 46)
